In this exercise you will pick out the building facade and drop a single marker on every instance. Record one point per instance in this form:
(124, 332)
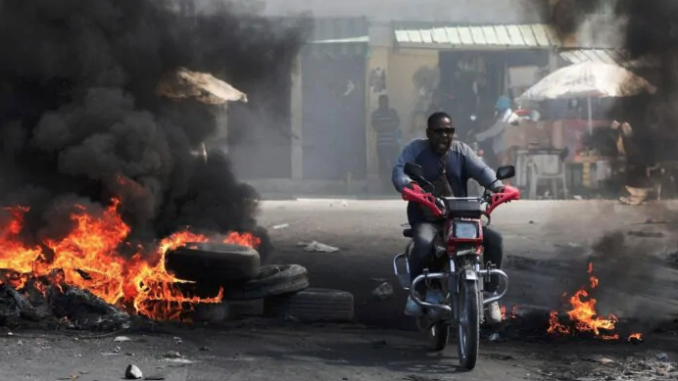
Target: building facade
(471, 51)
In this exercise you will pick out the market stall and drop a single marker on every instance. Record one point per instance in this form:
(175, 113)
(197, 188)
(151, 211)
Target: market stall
(571, 164)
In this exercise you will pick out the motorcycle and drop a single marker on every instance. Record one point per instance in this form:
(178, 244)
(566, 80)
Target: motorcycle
(458, 266)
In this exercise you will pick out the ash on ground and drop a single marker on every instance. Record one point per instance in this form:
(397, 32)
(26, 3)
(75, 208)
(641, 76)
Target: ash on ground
(48, 303)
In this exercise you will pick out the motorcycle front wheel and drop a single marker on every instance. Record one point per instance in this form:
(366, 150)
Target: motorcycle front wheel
(468, 336)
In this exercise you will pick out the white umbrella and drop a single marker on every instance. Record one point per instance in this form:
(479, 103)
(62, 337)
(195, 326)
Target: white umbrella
(588, 79)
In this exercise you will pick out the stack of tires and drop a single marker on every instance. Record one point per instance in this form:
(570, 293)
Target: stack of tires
(282, 289)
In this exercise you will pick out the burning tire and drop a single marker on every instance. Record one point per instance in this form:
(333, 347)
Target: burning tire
(313, 304)
(216, 263)
(272, 280)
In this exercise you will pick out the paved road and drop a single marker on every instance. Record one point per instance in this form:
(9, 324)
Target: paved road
(547, 245)
(547, 248)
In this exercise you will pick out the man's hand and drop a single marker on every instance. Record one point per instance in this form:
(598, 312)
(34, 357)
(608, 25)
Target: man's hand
(412, 185)
(498, 188)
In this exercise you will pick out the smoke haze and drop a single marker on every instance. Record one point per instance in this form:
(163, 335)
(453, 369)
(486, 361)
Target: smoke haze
(450, 11)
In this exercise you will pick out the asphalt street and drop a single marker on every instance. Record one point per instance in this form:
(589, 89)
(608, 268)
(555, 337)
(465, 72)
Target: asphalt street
(548, 246)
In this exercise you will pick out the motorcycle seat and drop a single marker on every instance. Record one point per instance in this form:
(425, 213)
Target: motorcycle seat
(407, 232)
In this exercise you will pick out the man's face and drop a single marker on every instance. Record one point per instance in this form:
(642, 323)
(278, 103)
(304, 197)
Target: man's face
(440, 135)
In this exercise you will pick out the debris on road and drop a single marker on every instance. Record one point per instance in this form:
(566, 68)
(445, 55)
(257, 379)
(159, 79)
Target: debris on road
(172, 355)
(317, 247)
(154, 378)
(133, 373)
(121, 339)
(495, 337)
(177, 340)
(644, 234)
(180, 361)
(652, 221)
(379, 344)
(343, 203)
(383, 292)
(280, 226)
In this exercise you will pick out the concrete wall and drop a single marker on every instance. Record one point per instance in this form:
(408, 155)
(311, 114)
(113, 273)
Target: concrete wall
(400, 65)
(401, 87)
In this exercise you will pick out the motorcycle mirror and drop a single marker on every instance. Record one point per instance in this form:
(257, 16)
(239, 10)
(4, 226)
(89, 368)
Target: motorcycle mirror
(415, 171)
(506, 172)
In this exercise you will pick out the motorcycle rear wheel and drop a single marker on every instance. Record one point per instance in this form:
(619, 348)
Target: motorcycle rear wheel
(440, 335)
(468, 336)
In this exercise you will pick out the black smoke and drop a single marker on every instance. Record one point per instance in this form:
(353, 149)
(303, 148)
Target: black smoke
(80, 119)
(649, 40)
(633, 274)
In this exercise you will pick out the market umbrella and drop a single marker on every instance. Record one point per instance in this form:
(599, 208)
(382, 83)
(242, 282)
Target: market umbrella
(588, 80)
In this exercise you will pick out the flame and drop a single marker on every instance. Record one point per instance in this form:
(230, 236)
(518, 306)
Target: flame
(89, 257)
(583, 316)
(511, 315)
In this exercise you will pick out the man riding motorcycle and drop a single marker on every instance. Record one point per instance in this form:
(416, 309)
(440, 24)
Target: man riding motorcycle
(448, 165)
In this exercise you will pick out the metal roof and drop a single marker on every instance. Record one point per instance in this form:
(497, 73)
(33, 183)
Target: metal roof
(337, 37)
(609, 56)
(520, 36)
(351, 40)
(339, 29)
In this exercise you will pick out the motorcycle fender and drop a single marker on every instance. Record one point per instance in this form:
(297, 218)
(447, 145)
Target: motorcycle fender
(470, 274)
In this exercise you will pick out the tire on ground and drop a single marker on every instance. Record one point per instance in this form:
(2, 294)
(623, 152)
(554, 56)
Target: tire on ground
(313, 305)
(216, 263)
(272, 280)
(210, 312)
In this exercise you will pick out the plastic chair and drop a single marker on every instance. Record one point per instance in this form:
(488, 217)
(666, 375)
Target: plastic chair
(538, 170)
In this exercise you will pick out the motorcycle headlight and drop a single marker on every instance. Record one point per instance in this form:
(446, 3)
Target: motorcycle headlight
(466, 230)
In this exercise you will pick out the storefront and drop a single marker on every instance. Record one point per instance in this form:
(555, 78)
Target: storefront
(477, 64)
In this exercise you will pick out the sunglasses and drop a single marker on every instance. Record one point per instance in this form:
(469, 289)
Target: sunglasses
(443, 131)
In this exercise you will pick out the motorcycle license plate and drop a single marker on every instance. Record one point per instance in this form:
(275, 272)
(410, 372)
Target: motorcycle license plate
(470, 275)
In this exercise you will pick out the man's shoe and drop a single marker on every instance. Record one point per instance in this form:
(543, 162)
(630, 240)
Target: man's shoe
(412, 308)
(435, 296)
(493, 313)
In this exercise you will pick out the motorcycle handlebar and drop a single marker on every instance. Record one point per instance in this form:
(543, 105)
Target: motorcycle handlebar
(417, 194)
(494, 199)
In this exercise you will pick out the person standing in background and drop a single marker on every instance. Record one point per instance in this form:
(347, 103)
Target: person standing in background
(386, 124)
(504, 117)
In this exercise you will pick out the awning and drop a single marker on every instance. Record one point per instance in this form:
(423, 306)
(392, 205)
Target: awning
(609, 56)
(338, 37)
(477, 37)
